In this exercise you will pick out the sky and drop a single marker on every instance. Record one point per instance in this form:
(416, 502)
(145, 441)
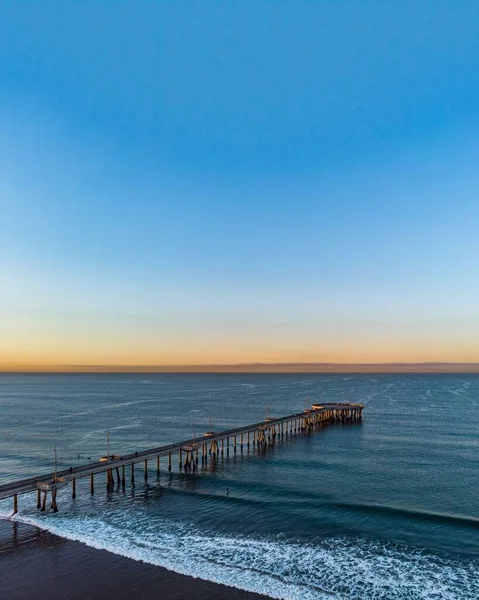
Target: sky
(187, 183)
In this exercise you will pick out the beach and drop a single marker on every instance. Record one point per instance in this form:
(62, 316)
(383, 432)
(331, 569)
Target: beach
(37, 564)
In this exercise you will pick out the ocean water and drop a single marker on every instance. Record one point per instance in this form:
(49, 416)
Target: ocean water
(388, 508)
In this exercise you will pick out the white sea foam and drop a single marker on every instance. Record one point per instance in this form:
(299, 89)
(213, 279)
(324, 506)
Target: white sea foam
(339, 567)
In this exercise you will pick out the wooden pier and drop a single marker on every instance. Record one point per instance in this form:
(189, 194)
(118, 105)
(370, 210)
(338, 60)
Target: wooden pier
(188, 453)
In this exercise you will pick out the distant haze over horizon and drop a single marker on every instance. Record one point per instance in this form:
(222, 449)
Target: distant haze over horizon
(255, 368)
(232, 183)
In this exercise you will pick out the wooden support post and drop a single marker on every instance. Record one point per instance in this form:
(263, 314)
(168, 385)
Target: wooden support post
(54, 500)
(222, 446)
(169, 461)
(74, 488)
(247, 443)
(123, 476)
(146, 468)
(254, 437)
(234, 444)
(118, 479)
(180, 458)
(241, 441)
(133, 473)
(227, 445)
(15, 504)
(92, 485)
(39, 499)
(44, 503)
(158, 465)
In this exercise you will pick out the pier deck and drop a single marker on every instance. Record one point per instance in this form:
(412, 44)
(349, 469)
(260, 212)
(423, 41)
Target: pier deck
(262, 433)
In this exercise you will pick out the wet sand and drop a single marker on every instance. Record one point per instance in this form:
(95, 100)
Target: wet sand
(37, 564)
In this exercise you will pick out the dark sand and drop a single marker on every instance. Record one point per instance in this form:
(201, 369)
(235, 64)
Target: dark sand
(36, 564)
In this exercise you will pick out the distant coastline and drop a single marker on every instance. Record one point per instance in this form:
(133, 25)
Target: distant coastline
(306, 367)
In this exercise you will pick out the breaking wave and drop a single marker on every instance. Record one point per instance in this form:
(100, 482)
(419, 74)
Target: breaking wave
(339, 567)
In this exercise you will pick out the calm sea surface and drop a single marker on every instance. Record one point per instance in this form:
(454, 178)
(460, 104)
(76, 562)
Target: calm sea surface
(384, 509)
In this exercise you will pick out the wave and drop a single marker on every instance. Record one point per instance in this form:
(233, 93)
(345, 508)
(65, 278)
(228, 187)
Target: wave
(342, 568)
(410, 513)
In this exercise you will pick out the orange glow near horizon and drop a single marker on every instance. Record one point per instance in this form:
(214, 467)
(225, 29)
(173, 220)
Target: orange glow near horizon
(76, 324)
(54, 356)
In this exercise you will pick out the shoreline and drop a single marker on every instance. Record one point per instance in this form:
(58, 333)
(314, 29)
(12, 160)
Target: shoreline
(35, 563)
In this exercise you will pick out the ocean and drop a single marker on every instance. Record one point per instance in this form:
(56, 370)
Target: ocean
(388, 508)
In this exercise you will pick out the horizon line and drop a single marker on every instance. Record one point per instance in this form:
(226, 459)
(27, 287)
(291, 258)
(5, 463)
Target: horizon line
(257, 367)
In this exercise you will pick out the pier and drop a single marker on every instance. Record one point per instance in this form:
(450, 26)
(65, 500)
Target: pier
(187, 453)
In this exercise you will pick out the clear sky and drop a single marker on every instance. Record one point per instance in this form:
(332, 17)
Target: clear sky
(222, 182)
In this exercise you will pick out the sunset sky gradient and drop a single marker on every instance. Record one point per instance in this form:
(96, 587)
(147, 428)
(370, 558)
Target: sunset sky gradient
(231, 182)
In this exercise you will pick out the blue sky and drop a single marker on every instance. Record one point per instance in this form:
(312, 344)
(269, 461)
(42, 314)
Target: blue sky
(238, 181)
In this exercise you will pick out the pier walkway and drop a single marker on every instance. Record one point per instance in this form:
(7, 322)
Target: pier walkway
(188, 452)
